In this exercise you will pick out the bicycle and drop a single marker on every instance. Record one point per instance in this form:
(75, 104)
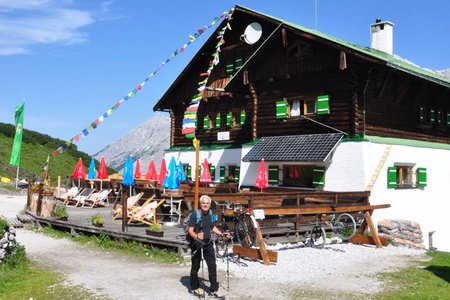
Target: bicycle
(343, 225)
(244, 229)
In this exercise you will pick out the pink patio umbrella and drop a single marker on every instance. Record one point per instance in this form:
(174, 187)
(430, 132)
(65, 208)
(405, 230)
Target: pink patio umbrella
(102, 172)
(262, 181)
(162, 172)
(79, 172)
(137, 172)
(151, 172)
(206, 174)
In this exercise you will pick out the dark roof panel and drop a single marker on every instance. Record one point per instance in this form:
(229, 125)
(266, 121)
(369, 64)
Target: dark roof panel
(305, 148)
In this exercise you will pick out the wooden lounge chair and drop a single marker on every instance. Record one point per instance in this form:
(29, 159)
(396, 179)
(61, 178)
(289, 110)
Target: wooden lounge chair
(146, 212)
(97, 199)
(131, 204)
(81, 197)
(72, 192)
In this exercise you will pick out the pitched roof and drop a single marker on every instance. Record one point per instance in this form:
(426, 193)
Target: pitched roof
(294, 148)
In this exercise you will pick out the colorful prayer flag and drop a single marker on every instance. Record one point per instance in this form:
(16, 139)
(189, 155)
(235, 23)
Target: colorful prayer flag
(17, 144)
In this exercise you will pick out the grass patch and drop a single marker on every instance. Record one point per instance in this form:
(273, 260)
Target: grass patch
(428, 280)
(22, 279)
(129, 248)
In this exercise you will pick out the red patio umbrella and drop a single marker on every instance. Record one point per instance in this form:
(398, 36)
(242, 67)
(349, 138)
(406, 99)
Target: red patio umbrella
(102, 171)
(206, 174)
(162, 172)
(79, 172)
(137, 172)
(151, 172)
(262, 181)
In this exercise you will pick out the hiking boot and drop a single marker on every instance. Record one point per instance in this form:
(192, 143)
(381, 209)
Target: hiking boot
(217, 295)
(199, 292)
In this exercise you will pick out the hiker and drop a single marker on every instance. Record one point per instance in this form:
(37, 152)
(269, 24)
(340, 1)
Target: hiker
(200, 243)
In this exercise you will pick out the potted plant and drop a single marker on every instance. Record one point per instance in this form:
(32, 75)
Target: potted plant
(97, 220)
(155, 229)
(61, 213)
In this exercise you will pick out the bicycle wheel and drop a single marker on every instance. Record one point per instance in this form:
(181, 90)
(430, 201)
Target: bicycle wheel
(245, 231)
(345, 226)
(317, 237)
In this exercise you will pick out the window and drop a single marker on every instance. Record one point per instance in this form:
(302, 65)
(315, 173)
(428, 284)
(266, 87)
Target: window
(309, 105)
(218, 120)
(303, 176)
(404, 176)
(298, 50)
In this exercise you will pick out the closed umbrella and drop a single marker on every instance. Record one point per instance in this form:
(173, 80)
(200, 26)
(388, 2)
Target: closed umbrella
(262, 181)
(151, 172)
(102, 172)
(79, 172)
(137, 172)
(181, 175)
(92, 173)
(127, 178)
(206, 174)
(172, 181)
(162, 172)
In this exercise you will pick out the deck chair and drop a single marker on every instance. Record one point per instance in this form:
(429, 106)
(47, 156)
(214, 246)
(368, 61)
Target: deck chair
(131, 204)
(97, 199)
(146, 212)
(70, 193)
(81, 197)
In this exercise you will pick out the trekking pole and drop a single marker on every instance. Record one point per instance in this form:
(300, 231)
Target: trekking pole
(203, 272)
(228, 270)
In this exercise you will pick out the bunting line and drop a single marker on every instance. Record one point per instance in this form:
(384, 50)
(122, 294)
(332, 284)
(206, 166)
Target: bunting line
(86, 131)
(189, 124)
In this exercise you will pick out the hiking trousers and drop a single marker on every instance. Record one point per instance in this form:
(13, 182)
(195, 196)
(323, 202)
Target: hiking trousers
(210, 258)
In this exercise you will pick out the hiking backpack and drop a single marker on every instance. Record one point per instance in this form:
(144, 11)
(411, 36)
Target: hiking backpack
(198, 219)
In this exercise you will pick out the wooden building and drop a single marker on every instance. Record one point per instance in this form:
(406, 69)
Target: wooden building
(323, 112)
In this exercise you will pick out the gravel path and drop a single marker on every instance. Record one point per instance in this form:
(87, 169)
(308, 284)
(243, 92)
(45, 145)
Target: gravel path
(337, 270)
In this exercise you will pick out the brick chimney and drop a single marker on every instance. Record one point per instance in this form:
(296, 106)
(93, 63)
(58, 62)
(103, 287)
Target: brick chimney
(382, 36)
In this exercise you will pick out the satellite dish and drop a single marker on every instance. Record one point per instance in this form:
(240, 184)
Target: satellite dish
(252, 33)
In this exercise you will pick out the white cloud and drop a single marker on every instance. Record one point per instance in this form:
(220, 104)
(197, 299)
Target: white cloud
(31, 22)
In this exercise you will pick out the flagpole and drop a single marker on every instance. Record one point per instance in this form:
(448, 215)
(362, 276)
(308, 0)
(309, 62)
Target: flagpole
(197, 158)
(17, 177)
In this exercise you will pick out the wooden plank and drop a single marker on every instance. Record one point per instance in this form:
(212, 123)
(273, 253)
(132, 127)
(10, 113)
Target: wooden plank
(254, 253)
(262, 245)
(364, 239)
(321, 209)
(373, 230)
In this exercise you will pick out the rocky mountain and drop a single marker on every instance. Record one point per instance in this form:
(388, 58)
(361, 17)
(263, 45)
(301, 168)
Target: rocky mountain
(146, 142)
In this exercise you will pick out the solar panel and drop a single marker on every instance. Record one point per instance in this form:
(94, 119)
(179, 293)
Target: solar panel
(310, 147)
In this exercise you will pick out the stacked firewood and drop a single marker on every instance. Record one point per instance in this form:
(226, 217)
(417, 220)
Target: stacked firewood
(401, 232)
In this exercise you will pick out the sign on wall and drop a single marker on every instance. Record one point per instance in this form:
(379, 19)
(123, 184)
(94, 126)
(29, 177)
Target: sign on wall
(223, 136)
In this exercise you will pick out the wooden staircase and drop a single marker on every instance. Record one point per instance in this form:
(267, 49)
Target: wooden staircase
(380, 165)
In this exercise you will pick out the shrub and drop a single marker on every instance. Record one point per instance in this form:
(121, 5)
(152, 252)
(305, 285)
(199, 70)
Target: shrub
(3, 226)
(97, 219)
(61, 212)
(155, 227)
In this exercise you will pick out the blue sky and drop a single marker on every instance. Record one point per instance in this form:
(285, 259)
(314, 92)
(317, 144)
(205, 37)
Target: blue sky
(72, 60)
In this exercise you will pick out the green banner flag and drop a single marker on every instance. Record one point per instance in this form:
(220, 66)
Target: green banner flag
(17, 145)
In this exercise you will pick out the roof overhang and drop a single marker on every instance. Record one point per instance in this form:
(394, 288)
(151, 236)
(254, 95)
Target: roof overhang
(294, 148)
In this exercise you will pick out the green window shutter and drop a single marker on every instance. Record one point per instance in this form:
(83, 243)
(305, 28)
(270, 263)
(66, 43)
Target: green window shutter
(274, 174)
(237, 172)
(319, 176)
(282, 109)
(189, 171)
(421, 114)
(323, 105)
(238, 63)
(218, 121)
(229, 119)
(222, 174)
(432, 117)
(212, 170)
(229, 69)
(206, 123)
(421, 177)
(392, 177)
(243, 116)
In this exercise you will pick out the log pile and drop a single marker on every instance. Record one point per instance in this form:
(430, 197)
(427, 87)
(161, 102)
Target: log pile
(401, 233)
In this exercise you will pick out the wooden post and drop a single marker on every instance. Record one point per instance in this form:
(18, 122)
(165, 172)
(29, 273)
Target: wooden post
(262, 245)
(39, 202)
(124, 209)
(197, 158)
(297, 216)
(373, 230)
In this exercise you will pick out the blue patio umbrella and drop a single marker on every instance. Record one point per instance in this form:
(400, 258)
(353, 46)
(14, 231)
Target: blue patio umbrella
(92, 173)
(172, 181)
(181, 175)
(127, 177)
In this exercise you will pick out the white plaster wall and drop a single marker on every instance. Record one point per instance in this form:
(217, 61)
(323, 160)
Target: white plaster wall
(429, 206)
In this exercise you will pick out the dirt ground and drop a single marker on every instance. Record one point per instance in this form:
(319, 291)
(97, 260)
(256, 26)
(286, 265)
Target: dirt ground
(336, 272)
